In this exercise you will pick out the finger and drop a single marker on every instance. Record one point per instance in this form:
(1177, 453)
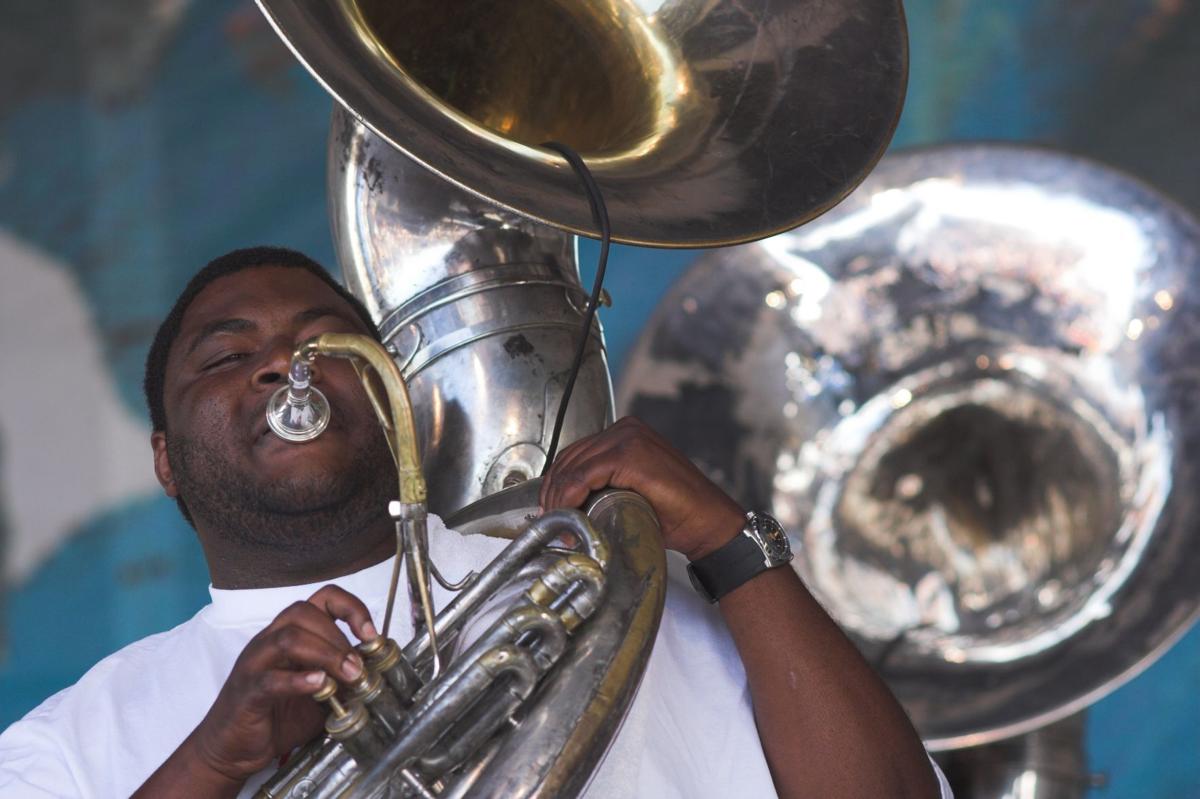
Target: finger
(564, 457)
(341, 604)
(627, 435)
(276, 683)
(305, 614)
(584, 449)
(652, 436)
(296, 648)
(562, 491)
(630, 460)
(573, 485)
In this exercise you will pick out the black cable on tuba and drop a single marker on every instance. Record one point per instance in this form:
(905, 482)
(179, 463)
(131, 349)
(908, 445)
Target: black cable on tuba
(600, 218)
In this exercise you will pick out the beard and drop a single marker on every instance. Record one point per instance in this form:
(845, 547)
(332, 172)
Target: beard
(312, 514)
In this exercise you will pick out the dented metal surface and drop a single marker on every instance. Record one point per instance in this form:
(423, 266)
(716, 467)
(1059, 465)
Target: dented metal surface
(968, 392)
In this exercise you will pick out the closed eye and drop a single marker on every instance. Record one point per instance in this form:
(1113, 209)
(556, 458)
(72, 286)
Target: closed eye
(224, 359)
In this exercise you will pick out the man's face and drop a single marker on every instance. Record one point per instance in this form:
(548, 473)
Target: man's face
(232, 353)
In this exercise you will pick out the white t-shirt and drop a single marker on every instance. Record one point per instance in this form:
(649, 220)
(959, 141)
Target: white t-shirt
(689, 733)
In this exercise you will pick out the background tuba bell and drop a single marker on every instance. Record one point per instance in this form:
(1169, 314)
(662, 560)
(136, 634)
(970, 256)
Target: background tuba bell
(968, 391)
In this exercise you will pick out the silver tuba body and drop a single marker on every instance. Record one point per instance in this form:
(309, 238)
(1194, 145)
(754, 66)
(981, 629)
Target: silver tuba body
(704, 123)
(480, 308)
(969, 391)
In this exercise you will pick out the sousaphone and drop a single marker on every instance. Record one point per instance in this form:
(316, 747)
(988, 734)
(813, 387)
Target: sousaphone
(969, 392)
(704, 123)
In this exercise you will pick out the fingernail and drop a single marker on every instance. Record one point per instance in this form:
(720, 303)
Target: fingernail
(314, 678)
(352, 666)
(369, 632)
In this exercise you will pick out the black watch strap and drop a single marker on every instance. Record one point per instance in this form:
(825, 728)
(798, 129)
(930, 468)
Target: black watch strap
(719, 572)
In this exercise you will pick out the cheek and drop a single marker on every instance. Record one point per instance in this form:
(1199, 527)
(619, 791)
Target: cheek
(347, 396)
(214, 415)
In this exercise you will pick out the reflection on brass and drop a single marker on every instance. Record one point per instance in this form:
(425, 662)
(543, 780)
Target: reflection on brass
(393, 409)
(382, 656)
(705, 122)
(534, 71)
(449, 729)
(481, 308)
(999, 470)
(412, 715)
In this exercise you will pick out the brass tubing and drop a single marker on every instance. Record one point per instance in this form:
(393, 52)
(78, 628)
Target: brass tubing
(281, 784)
(412, 526)
(398, 421)
(436, 715)
(327, 758)
(332, 784)
(529, 543)
(377, 696)
(510, 630)
(572, 588)
(383, 656)
(369, 357)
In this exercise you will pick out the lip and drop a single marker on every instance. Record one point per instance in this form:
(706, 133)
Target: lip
(261, 433)
(260, 429)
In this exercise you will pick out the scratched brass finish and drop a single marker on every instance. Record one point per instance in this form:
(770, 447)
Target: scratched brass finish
(527, 706)
(970, 393)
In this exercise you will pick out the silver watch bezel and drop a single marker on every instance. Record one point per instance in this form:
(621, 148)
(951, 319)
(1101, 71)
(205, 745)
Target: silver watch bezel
(770, 537)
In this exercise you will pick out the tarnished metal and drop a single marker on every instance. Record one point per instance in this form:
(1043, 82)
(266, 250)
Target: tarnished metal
(1048, 763)
(598, 605)
(562, 739)
(480, 308)
(969, 392)
(705, 123)
(407, 726)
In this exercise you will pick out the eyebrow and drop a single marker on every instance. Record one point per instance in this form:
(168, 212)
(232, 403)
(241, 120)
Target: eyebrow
(323, 310)
(237, 325)
(219, 326)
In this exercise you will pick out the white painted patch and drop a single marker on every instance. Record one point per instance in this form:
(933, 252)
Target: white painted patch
(69, 447)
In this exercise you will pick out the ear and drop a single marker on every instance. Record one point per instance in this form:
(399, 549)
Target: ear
(162, 466)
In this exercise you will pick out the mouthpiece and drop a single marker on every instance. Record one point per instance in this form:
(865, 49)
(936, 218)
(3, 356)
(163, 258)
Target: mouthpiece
(298, 411)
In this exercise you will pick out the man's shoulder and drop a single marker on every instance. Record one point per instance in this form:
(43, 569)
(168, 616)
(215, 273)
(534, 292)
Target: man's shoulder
(136, 662)
(65, 742)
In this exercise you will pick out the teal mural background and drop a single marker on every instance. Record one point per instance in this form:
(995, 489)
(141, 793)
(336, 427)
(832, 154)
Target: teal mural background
(140, 138)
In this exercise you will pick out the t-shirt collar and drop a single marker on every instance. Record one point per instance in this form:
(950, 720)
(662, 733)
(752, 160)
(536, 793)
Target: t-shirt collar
(257, 606)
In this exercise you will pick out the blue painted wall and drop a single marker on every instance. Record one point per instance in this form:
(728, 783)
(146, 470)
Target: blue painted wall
(156, 134)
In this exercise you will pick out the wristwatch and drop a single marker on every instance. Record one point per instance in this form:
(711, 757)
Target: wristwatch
(761, 545)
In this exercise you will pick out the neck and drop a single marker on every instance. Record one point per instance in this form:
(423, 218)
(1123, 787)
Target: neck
(241, 562)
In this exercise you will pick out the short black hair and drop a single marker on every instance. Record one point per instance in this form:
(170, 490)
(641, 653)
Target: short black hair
(227, 264)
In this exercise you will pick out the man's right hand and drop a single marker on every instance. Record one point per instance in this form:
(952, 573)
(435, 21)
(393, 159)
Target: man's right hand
(265, 708)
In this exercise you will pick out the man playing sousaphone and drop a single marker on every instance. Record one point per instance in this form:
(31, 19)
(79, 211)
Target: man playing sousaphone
(759, 695)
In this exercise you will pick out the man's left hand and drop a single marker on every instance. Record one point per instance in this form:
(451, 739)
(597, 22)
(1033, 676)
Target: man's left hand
(696, 516)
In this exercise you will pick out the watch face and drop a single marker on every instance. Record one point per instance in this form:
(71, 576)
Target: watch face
(774, 540)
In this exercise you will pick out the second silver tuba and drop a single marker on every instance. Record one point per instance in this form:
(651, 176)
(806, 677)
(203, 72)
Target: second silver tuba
(969, 392)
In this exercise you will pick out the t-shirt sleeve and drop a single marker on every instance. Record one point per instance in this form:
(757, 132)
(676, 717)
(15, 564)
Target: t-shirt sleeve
(32, 761)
